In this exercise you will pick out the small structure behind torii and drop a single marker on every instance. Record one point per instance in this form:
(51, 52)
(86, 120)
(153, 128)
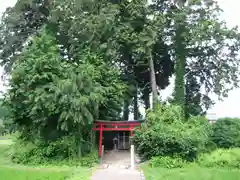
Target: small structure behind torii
(115, 126)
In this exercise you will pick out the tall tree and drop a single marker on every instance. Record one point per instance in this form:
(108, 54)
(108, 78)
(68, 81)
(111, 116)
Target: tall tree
(17, 25)
(76, 91)
(210, 52)
(180, 65)
(148, 58)
(134, 36)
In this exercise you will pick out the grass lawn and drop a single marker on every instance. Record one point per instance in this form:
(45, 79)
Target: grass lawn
(190, 173)
(10, 171)
(26, 174)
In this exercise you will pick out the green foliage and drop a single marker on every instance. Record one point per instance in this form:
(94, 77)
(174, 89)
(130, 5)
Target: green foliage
(196, 102)
(125, 36)
(41, 75)
(58, 170)
(70, 73)
(3, 110)
(180, 65)
(229, 158)
(89, 160)
(226, 132)
(2, 129)
(62, 151)
(24, 153)
(200, 61)
(115, 29)
(167, 114)
(167, 162)
(51, 99)
(4, 121)
(168, 135)
(17, 25)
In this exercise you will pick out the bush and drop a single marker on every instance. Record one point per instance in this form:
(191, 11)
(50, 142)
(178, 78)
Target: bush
(90, 159)
(166, 134)
(226, 133)
(221, 158)
(24, 153)
(167, 162)
(64, 149)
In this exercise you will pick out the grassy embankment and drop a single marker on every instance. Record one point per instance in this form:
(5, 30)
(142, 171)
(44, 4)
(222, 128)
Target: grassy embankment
(191, 173)
(9, 170)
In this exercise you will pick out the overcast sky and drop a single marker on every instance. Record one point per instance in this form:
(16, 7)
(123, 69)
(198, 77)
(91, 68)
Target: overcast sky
(228, 107)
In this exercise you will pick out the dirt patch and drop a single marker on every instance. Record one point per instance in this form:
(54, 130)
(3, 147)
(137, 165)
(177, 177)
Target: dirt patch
(117, 158)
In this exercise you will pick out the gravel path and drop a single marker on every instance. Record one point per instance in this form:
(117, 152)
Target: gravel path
(116, 166)
(116, 173)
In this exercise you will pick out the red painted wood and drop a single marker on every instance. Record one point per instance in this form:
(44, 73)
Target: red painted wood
(131, 132)
(112, 129)
(100, 141)
(118, 124)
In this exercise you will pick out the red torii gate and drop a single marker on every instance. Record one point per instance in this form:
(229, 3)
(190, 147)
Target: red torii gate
(113, 126)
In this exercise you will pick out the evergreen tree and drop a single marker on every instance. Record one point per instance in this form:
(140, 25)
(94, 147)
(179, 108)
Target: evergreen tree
(50, 97)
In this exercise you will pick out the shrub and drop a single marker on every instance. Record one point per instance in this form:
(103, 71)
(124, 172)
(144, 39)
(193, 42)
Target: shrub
(90, 159)
(24, 153)
(226, 133)
(166, 134)
(64, 149)
(221, 158)
(167, 162)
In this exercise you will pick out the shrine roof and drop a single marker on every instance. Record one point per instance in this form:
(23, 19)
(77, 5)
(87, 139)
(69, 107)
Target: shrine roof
(118, 122)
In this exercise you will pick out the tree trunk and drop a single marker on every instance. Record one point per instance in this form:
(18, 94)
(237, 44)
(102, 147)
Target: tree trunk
(146, 98)
(126, 110)
(153, 82)
(135, 105)
(179, 90)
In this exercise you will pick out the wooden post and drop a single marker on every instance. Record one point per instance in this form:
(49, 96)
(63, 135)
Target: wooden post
(131, 131)
(124, 139)
(100, 140)
(102, 154)
(132, 157)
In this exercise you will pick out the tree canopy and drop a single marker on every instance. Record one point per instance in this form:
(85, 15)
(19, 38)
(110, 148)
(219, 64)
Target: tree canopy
(73, 61)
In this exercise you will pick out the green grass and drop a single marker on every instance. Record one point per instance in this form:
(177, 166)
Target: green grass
(33, 174)
(191, 173)
(9, 171)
